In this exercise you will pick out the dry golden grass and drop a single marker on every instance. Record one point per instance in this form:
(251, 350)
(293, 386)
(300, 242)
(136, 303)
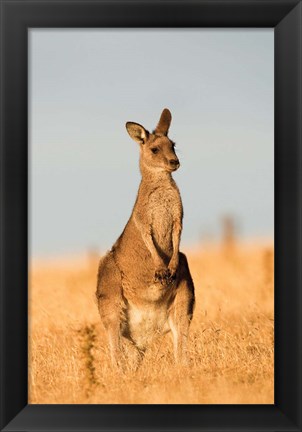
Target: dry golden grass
(231, 344)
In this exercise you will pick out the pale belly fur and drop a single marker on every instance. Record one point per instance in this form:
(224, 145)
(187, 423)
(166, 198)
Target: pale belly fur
(146, 322)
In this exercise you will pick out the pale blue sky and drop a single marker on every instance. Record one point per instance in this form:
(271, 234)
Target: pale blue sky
(83, 87)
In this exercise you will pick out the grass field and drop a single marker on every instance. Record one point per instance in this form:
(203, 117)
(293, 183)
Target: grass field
(231, 344)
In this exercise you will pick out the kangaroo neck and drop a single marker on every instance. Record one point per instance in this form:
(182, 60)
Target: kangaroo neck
(152, 177)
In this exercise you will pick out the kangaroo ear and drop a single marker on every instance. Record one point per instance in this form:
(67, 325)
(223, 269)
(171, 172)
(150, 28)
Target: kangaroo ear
(137, 132)
(164, 123)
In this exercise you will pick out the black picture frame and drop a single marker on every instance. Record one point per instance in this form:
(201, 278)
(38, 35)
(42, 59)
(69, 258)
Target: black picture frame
(17, 16)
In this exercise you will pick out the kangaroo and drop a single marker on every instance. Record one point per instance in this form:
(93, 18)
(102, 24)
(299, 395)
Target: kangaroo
(144, 285)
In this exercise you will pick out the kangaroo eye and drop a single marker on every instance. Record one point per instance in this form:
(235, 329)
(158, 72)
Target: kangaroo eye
(155, 150)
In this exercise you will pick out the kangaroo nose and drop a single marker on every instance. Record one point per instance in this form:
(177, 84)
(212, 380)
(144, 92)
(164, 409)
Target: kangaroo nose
(174, 162)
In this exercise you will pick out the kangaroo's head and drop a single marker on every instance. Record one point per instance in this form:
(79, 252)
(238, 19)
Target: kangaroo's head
(157, 151)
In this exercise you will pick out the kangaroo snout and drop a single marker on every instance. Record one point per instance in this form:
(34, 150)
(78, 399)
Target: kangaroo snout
(174, 163)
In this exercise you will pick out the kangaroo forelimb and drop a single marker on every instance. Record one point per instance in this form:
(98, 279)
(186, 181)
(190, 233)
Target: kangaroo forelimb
(176, 233)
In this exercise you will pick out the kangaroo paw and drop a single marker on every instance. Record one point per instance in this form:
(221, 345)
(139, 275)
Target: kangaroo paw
(161, 276)
(165, 277)
(172, 275)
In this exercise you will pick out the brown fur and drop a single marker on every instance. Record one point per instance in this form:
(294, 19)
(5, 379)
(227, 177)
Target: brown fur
(144, 284)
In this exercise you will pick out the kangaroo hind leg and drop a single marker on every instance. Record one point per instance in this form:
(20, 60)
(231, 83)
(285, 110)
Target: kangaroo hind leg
(111, 304)
(181, 311)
